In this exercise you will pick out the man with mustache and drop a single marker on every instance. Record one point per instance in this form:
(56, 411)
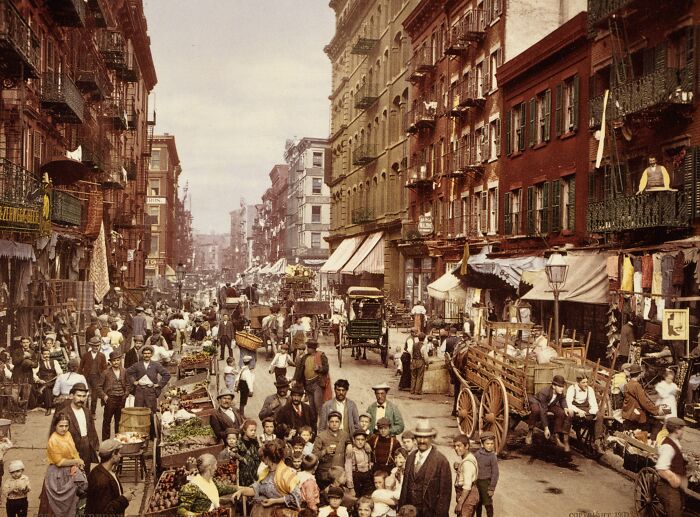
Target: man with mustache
(295, 413)
(81, 425)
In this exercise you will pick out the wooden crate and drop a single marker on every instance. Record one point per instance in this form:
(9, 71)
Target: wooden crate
(180, 459)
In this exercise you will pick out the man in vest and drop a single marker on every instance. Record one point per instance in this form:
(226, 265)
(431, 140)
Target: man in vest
(654, 178)
(312, 374)
(92, 365)
(48, 371)
(225, 334)
(671, 469)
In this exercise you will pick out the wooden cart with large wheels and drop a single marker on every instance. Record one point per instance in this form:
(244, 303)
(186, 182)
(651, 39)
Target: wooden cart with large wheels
(646, 501)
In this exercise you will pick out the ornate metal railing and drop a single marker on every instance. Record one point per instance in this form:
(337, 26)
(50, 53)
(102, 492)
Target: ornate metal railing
(662, 209)
(18, 186)
(113, 49)
(91, 75)
(69, 13)
(16, 37)
(364, 154)
(66, 208)
(98, 8)
(422, 62)
(61, 96)
(366, 96)
(362, 215)
(664, 86)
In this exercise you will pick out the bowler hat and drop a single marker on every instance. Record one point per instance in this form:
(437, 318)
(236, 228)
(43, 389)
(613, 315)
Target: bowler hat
(114, 355)
(298, 389)
(424, 429)
(78, 386)
(558, 380)
(281, 382)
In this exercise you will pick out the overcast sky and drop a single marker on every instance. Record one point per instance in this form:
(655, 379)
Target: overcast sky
(236, 78)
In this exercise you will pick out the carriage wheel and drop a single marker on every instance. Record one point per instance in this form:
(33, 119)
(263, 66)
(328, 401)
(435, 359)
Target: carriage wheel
(493, 412)
(646, 502)
(466, 412)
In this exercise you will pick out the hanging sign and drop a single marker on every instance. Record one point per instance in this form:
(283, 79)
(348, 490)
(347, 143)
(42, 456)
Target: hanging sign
(676, 325)
(425, 224)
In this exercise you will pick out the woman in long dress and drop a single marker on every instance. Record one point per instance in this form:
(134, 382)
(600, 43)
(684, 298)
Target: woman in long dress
(405, 379)
(668, 390)
(277, 490)
(65, 479)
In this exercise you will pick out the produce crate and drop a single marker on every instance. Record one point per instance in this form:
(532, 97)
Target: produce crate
(180, 459)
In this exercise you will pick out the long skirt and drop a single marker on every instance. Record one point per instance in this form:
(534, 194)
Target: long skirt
(59, 495)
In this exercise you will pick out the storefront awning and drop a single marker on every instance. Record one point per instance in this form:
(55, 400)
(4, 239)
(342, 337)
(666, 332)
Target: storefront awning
(586, 282)
(369, 257)
(265, 270)
(510, 270)
(278, 267)
(341, 255)
(447, 287)
(16, 250)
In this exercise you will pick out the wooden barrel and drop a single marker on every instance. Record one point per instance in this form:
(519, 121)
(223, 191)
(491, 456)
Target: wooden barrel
(136, 419)
(437, 378)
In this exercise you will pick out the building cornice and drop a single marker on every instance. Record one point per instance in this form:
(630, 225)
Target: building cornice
(422, 15)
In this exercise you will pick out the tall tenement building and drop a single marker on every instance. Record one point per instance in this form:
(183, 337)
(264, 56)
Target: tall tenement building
(369, 155)
(73, 153)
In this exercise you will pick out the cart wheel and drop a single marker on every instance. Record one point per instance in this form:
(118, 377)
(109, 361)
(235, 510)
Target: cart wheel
(466, 412)
(646, 502)
(340, 353)
(494, 412)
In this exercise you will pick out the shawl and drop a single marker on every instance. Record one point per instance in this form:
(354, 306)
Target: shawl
(209, 489)
(61, 448)
(286, 479)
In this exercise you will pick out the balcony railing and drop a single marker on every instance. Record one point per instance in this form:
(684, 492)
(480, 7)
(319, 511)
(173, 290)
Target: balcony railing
(663, 209)
(115, 175)
(19, 46)
(98, 8)
(68, 13)
(366, 96)
(115, 114)
(418, 177)
(471, 27)
(422, 116)
(362, 215)
(127, 220)
(18, 187)
(409, 231)
(456, 162)
(654, 92)
(364, 45)
(465, 93)
(364, 154)
(66, 208)
(422, 63)
(128, 72)
(113, 49)
(91, 76)
(61, 97)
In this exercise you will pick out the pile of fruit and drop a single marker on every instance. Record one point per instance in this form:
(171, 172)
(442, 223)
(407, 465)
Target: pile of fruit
(194, 360)
(180, 447)
(166, 494)
(190, 431)
(226, 473)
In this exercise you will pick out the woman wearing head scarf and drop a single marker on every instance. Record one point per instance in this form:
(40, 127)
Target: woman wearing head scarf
(202, 493)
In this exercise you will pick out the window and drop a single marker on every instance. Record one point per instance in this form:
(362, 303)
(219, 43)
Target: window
(318, 159)
(464, 227)
(316, 186)
(154, 214)
(567, 96)
(154, 187)
(154, 163)
(478, 146)
(492, 223)
(511, 215)
(479, 78)
(542, 117)
(494, 62)
(568, 202)
(542, 207)
(515, 129)
(475, 217)
(494, 139)
(315, 239)
(316, 214)
(154, 245)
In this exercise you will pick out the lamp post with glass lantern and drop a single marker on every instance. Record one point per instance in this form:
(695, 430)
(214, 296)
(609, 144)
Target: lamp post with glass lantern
(180, 273)
(556, 269)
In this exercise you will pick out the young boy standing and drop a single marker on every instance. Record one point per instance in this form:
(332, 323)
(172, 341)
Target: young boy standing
(268, 428)
(465, 481)
(487, 476)
(383, 446)
(15, 490)
(358, 464)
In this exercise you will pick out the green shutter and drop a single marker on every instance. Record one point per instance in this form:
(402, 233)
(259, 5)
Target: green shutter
(691, 181)
(556, 206)
(559, 115)
(533, 107)
(547, 114)
(531, 210)
(507, 121)
(544, 214)
(507, 217)
(571, 207)
(523, 117)
(574, 103)
(497, 137)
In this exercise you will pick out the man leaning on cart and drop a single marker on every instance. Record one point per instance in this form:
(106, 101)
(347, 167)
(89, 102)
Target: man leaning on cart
(671, 469)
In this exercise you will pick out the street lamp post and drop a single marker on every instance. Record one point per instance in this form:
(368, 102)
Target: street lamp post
(180, 272)
(556, 269)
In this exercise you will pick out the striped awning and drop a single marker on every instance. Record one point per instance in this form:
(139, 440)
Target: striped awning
(369, 257)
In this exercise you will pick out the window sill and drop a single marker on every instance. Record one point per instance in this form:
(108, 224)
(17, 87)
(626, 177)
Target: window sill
(492, 91)
(515, 154)
(495, 21)
(539, 146)
(491, 160)
(568, 134)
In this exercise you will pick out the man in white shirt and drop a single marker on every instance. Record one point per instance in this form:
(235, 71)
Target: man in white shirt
(582, 405)
(66, 381)
(350, 416)
(81, 426)
(671, 468)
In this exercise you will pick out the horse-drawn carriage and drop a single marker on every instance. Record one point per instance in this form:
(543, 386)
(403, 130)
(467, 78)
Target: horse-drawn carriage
(366, 327)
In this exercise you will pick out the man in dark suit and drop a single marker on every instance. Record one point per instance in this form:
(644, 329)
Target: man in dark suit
(275, 401)
(198, 332)
(81, 426)
(550, 400)
(225, 416)
(113, 390)
(226, 334)
(132, 355)
(295, 413)
(24, 360)
(105, 495)
(427, 483)
(92, 364)
(147, 379)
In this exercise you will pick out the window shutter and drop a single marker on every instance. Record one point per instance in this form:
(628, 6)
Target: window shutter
(531, 210)
(547, 114)
(507, 217)
(498, 7)
(533, 107)
(574, 103)
(484, 211)
(457, 214)
(487, 11)
(507, 121)
(497, 137)
(486, 79)
(571, 206)
(556, 206)
(485, 143)
(521, 137)
(559, 115)
(691, 181)
(495, 222)
(544, 217)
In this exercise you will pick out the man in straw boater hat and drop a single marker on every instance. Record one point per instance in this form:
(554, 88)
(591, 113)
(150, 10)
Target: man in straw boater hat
(382, 408)
(427, 483)
(275, 401)
(226, 416)
(672, 468)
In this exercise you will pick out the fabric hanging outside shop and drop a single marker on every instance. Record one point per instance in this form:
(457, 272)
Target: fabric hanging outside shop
(99, 272)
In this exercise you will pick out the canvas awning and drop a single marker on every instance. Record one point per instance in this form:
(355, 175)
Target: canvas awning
(369, 257)
(341, 255)
(265, 270)
(447, 287)
(510, 270)
(586, 282)
(278, 267)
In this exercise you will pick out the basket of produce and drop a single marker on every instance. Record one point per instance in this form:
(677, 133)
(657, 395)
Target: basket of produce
(189, 439)
(131, 442)
(248, 341)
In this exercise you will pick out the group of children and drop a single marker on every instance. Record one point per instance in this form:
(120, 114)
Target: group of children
(476, 476)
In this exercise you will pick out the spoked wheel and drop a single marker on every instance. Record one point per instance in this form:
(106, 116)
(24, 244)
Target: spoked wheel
(493, 412)
(466, 412)
(646, 502)
(340, 352)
